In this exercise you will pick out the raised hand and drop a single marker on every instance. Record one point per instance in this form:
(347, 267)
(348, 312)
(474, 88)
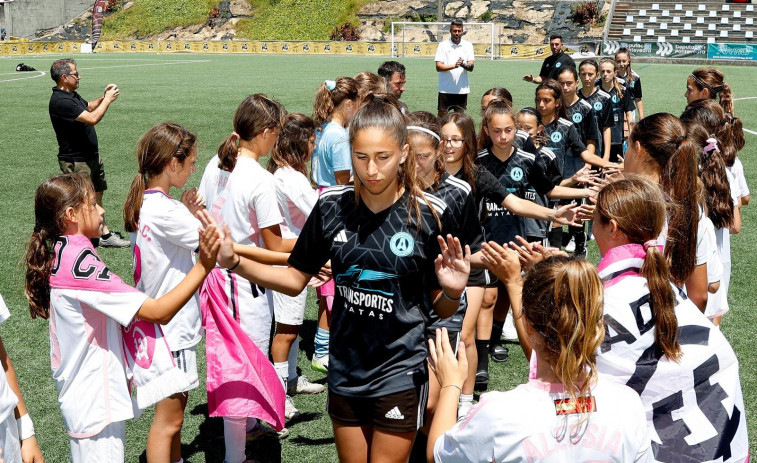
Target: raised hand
(450, 370)
(193, 200)
(566, 215)
(452, 265)
(504, 263)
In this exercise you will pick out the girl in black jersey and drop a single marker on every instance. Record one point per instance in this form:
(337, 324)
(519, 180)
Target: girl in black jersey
(622, 107)
(578, 111)
(382, 237)
(600, 102)
(632, 79)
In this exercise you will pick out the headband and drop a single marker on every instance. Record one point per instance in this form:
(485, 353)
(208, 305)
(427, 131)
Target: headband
(713, 92)
(330, 84)
(423, 129)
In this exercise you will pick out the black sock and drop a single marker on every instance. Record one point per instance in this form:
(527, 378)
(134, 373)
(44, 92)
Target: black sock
(555, 237)
(106, 236)
(497, 328)
(482, 346)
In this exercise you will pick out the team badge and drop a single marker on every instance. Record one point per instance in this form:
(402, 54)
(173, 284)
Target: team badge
(402, 244)
(558, 65)
(615, 99)
(577, 118)
(556, 137)
(598, 106)
(516, 174)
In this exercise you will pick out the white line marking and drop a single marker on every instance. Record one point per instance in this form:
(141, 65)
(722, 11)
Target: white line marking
(41, 73)
(749, 131)
(746, 98)
(161, 63)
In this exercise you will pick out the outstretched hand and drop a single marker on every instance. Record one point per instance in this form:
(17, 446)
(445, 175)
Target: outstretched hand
(503, 262)
(193, 200)
(566, 215)
(532, 253)
(452, 265)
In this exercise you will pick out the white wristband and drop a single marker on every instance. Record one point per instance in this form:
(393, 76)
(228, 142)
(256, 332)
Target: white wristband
(25, 427)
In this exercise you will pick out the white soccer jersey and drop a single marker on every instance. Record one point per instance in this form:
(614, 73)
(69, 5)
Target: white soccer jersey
(523, 425)
(454, 81)
(86, 346)
(166, 238)
(296, 199)
(244, 199)
(737, 170)
(8, 399)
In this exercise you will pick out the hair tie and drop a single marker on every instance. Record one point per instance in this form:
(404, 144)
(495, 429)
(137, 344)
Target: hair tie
(712, 145)
(141, 173)
(649, 244)
(425, 130)
(330, 84)
(679, 141)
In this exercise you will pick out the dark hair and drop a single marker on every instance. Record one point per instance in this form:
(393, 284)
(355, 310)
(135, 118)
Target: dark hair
(664, 137)
(379, 114)
(553, 86)
(615, 83)
(456, 22)
(468, 128)
(638, 208)
(61, 67)
(569, 69)
(629, 73)
(500, 93)
(714, 81)
(155, 150)
(541, 137)
(703, 124)
(388, 68)
(51, 200)
(428, 121)
(590, 62)
(555, 36)
(293, 146)
(563, 302)
(495, 108)
(710, 115)
(369, 83)
(254, 115)
(345, 88)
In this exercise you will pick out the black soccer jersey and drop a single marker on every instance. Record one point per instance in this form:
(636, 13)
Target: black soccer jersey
(457, 195)
(383, 267)
(524, 141)
(634, 85)
(517, 173)
(548, 161)
(581, 115)
(553, 64)
(564, 141)
(602, 106)
(620, 105)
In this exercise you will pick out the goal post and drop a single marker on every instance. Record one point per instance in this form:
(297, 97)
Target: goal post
(420, 38)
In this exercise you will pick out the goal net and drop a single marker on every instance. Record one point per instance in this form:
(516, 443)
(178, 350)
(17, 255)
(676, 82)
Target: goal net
(422, 38)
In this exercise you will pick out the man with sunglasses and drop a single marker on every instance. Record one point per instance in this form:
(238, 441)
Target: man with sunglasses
(74, 120)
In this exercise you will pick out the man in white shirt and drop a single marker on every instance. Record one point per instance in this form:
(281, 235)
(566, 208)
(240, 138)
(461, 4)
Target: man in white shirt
(454, 60)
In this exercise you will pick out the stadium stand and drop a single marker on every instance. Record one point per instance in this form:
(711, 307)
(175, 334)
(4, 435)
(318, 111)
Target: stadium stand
(687, 22)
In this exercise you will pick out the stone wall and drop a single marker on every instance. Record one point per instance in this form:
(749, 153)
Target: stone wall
(23, 18)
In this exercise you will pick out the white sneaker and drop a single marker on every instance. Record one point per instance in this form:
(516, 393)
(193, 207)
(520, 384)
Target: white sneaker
(571, 247)
(320, 363)
(304, 386)
(463, 409)
(290, 411)
(508, 331)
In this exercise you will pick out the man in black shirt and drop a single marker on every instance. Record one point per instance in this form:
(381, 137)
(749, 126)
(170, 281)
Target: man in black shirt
(74, 120)
(552, 64)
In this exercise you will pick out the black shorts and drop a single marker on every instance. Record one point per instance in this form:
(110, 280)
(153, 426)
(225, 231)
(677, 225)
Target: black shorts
(481, 277)
(615, 151)
(398, 413)
(452, 102)
(93, 169)
(454, 337)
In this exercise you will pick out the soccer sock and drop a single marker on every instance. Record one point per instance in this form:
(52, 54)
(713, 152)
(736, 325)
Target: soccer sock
(235, 438)
(108, 235)
(282, 369)
(294, 351)
(482, 346)
(181, 460)
(321, 343)
(497, 328)
(555, 237)
(466, 398)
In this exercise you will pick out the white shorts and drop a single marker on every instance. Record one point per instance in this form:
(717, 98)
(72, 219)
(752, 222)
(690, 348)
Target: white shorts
(105, 447)
(186, 360)
(9, 444)
(290, 310)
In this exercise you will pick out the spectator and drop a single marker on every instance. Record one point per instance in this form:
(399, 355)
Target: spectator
(454, 59)
(552, 64)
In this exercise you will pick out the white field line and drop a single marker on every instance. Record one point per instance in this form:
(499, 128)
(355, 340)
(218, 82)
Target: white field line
(41, 73)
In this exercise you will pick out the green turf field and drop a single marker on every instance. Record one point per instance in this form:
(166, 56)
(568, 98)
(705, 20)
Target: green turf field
(202, 93)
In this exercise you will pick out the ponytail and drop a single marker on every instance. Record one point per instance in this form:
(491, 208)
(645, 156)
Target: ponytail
(330, 95)
(51, 200)
(563, 302)
(713, 81)
(637, 206)
(156, 148)
(254, 115)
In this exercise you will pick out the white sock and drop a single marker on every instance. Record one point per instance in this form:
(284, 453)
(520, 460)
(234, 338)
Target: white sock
(235, 438)
(466, 398)
(181, 460)
(282, 369)
(294, 351)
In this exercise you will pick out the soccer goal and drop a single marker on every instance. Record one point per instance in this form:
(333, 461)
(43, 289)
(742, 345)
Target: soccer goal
(422, 38)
